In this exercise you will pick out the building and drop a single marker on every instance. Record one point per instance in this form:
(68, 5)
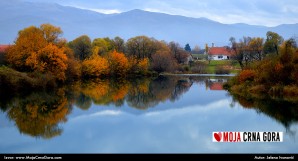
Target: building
(219, 53)
(215, 84)
(3, 48)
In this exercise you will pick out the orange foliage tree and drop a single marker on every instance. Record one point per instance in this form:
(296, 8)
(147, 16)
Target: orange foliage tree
(39, 50)
(246, 75)
(118, 63)
(29, 42)
(138, 65)
(50, 59)
(38, 117)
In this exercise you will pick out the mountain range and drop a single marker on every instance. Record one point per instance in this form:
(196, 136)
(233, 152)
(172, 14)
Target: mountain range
(17, 14)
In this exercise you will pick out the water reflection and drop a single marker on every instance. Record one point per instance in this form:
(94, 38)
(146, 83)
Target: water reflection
(38, 114)
(283, 111)
(41, 114)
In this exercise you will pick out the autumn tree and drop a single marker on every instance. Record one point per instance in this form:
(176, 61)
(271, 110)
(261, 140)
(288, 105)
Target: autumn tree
(118, 64)
(138, 66)
(49, 59)
(178, 52)
(35, 50)
(256, 48)
(95, 66)
(73, 65)
(51, 33)
(163, 60)
(82, 47)
(29, 41)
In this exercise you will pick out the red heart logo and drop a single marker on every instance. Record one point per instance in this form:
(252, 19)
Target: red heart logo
(217, 136)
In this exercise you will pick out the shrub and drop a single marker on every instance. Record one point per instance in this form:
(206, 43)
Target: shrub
(95, 67)
(221, 70)
(246, 75)
(198, 68)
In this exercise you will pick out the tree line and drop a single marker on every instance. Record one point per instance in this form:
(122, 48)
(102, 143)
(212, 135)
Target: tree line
(273, 70)
(42, 51)
(250, 49)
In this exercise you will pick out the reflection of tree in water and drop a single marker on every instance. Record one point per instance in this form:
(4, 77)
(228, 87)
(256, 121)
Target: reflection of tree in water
(40, 113)
(102, 92)
(83, 102)
(283, 111)
(159, 90)
(139, 93)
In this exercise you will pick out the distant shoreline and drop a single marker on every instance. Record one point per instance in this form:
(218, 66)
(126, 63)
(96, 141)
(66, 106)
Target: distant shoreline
(218, 75)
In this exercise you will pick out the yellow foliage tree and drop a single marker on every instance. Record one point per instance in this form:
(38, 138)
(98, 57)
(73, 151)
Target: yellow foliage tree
(51, 33)
(96, 66)
(143, 65)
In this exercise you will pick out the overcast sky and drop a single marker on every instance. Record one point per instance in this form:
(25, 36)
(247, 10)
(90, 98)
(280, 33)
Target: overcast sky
(255, 12)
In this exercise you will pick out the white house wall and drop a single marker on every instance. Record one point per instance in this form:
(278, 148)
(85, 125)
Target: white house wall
(215, 57)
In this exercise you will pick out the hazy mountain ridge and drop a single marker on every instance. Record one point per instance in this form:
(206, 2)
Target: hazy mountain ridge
(16, 15)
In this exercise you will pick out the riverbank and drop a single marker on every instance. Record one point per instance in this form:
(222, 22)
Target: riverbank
(203, 75)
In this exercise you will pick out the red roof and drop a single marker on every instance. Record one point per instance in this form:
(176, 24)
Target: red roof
(219, 51)
(3, 48)
(216, 86)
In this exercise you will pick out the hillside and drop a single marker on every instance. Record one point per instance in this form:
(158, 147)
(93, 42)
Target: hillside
(16, 15)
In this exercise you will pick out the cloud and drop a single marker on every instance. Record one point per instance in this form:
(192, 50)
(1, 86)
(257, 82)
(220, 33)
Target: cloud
(99, 114)
(105, 11)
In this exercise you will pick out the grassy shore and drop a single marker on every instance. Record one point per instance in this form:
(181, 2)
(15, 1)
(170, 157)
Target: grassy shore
(230, 65)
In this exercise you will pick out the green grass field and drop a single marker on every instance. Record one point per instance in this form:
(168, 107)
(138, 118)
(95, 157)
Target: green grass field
(228, 63)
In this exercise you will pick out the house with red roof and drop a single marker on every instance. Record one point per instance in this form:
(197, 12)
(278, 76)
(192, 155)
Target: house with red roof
(215, 84)
(219, 53)
(218, 86)
(3, 48)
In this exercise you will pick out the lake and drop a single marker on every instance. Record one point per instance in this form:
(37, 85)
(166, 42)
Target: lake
(159, 115)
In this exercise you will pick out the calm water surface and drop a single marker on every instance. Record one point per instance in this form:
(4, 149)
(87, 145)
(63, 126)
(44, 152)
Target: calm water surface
(163, 115)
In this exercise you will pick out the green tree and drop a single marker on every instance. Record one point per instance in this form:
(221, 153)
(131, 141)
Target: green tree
(141, 47)
(187, 48)
(119, 44)
(81, 47)
(101, 46)
(273, 41)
